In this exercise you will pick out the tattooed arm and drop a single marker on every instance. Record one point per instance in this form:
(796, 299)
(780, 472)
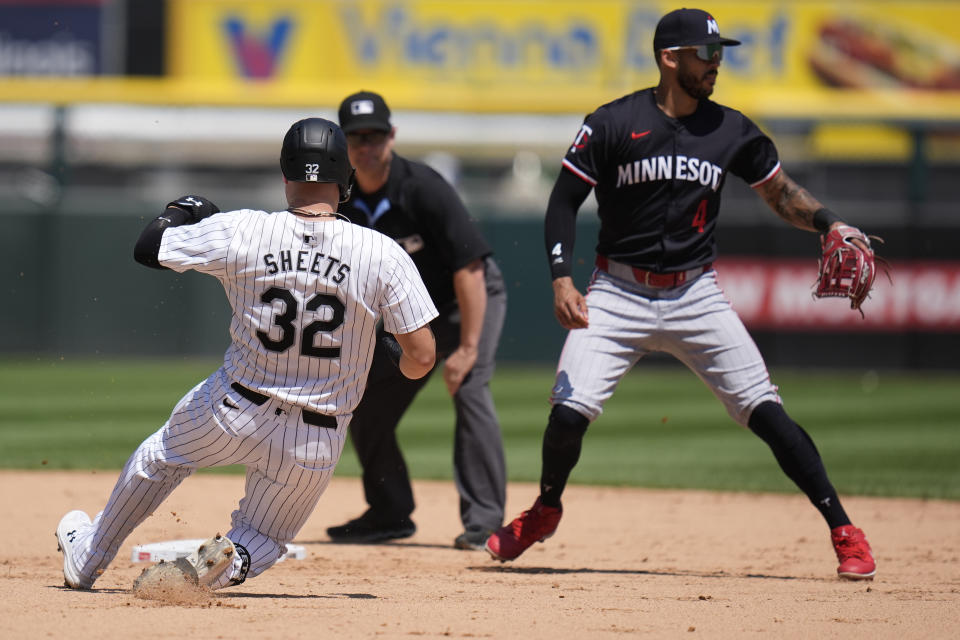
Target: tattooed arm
(794, 204)
(791, 202)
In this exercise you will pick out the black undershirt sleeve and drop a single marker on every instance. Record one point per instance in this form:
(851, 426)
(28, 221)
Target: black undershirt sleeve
(560, 225)
(147, 249)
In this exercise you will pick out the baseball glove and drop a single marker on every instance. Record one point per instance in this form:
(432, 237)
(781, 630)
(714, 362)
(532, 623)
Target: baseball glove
(847, 269)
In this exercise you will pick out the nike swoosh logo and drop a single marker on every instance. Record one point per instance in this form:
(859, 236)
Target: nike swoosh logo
(634, 135)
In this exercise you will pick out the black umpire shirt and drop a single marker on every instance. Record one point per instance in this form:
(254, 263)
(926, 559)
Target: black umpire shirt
(657, 179)
(422, 212)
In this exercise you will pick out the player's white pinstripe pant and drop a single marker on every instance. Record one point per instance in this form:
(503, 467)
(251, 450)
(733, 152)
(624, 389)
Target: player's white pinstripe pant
(694, 322)
(289, 465)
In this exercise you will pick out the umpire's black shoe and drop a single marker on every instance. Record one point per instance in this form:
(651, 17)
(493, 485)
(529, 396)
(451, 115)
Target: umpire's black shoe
(368, 528)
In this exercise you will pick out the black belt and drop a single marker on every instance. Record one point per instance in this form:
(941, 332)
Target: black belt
(309, 417)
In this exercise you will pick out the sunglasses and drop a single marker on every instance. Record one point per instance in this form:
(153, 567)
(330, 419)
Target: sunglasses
(367, 137)
(706, 52)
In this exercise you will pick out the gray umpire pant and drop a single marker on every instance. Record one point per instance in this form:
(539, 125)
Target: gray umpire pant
(479, 468)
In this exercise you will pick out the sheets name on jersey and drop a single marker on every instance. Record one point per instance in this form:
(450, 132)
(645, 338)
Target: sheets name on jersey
(286, 260)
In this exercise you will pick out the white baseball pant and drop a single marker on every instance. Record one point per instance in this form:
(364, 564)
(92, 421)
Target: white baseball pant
(694, 322)
(289, 465)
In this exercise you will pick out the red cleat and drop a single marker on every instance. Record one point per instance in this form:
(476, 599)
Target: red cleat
(853, 552)
(535, 525)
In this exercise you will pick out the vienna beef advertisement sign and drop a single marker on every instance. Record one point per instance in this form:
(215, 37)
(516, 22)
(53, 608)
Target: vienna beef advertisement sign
(564, 55)
(777, 294)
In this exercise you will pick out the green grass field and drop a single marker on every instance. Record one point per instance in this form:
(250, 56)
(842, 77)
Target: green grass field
(882, 434)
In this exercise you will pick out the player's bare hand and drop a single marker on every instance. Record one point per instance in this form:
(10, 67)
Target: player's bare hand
(457, 366)
(569, 305)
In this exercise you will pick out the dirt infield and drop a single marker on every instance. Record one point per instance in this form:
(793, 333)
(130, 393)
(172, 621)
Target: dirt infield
(624, 563)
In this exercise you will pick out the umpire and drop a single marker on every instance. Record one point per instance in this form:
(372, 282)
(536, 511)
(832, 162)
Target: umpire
(415, 206)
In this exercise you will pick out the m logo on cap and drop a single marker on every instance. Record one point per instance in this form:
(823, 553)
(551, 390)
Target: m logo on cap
(712, 26)
(361, 107)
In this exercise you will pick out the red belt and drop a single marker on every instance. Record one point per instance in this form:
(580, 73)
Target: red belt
(649, 278)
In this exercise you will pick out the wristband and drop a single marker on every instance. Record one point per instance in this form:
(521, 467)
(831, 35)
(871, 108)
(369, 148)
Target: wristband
(823, 218)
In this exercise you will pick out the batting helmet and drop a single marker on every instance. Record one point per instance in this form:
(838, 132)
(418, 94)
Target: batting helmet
(315, 150)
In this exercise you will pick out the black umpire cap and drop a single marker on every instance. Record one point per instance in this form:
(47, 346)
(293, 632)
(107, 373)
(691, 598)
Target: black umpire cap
(688, 28)
(364, 110)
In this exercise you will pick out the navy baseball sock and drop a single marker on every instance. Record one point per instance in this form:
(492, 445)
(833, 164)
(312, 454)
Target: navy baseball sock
(799, 459)
(561, 449)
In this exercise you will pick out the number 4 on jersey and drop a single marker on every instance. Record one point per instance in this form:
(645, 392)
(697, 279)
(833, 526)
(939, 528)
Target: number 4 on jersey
(700, 217)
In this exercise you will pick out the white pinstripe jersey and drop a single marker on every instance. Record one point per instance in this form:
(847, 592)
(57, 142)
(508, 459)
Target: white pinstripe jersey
(306, 296)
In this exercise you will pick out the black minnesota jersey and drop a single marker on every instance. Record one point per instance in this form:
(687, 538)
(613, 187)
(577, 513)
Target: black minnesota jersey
(658, 179)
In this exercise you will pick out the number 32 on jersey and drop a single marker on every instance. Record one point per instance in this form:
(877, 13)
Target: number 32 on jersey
(287, 318)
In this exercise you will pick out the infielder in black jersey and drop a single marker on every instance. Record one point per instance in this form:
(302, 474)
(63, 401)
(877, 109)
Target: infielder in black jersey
(307, 290)
(657, 160)
(413, 204)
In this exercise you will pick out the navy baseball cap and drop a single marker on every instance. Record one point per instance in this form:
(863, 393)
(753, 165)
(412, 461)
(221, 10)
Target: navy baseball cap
(364, 110)
(688, 28)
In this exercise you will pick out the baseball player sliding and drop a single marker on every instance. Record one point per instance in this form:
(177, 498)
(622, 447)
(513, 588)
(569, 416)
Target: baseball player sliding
(657, 160)
(307, 290)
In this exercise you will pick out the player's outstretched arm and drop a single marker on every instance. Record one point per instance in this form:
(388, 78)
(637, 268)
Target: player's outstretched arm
(847, 262)
(185, 210)
(794, 204)
(419, 352)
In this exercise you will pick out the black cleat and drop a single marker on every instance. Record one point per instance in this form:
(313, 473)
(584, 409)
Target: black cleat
(368, 528)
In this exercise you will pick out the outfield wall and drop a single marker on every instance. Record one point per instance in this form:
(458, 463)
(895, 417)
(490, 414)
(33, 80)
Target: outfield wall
(71, 287)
